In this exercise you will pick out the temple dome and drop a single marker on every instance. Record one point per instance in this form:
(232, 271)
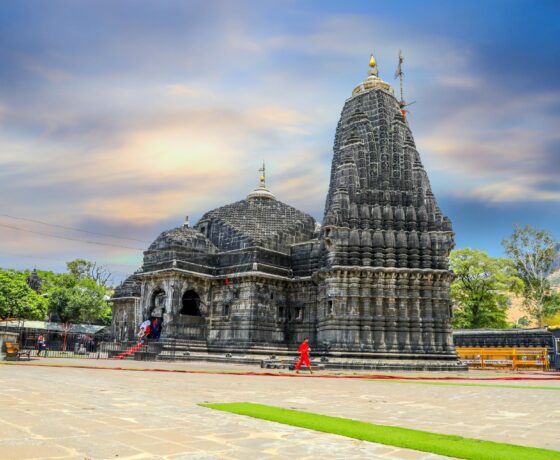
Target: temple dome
(372, 82)
(259, 220)
(183, 237)
(261, 192)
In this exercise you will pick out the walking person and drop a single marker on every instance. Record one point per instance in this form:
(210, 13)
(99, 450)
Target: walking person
(41, 345)
(304, 356)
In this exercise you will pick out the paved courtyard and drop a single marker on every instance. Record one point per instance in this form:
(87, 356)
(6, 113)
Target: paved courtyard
(71, 413)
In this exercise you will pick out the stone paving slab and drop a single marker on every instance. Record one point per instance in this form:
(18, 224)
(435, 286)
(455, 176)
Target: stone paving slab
(476, 376)
(96, 414)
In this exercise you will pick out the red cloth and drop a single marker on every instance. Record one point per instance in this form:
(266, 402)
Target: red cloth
(304, 348)
(304, 358)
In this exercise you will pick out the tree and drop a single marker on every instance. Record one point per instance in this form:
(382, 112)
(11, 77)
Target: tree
(480, 289)
(82, 268)
(17, 299)
(533, 252)
(79, 301)
(551, 305)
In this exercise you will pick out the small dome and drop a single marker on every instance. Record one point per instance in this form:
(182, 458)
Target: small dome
(183, 237)
(372, 81)
(261, 192)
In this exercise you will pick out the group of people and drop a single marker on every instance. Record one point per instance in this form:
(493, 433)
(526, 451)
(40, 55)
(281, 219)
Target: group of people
(85, 342)
(151, 328)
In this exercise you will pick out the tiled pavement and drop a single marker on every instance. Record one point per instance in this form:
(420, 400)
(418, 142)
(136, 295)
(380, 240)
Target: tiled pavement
(89, 414)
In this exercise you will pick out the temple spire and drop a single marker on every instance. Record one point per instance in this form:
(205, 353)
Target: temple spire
(372, 81)
(263, 177)
(261, 191)
(373, 70)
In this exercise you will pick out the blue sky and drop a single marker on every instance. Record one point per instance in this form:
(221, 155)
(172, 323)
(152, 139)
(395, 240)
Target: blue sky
(123, 117)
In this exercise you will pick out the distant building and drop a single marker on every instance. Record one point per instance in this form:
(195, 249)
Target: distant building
(370, 288)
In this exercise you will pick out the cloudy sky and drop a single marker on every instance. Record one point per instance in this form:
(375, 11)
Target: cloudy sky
(120, 118)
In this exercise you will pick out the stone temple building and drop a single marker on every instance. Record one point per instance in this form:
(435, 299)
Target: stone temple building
(369, 288)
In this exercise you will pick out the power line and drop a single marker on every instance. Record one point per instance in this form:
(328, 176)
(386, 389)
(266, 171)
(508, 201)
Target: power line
(50, 235)
(72, 228)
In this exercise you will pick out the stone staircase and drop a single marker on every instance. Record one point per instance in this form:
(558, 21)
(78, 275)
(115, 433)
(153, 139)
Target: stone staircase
(197, 350)
(130, 352)
(139, 352)
(181, 349)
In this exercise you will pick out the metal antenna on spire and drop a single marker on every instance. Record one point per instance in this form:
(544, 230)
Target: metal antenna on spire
(400, 75)
(263, 177)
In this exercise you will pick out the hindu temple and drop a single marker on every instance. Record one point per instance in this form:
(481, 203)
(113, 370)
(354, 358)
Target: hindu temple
(369, 286)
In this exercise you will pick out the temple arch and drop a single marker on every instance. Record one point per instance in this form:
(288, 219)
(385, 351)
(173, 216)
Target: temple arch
(158, 300)
(190, 303)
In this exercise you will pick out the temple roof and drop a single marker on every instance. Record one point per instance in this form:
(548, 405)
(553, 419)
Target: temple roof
(260, 220)
(183, 237)
(130, 287)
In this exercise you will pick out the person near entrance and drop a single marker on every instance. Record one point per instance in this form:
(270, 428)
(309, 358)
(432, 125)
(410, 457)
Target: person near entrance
(304, 356)
(144, 330)
(156, 328)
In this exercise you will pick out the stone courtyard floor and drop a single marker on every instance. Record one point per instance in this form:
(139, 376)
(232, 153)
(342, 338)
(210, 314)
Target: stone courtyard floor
(74, 413)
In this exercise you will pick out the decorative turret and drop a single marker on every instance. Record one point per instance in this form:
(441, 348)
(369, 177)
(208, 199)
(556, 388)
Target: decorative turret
(261, 192)
(372, 81)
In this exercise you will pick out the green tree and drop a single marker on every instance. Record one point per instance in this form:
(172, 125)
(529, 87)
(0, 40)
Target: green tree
(480, 289)
(551, 304)
(79, 301)
(533, 252)
(17, 299)
(82, 269)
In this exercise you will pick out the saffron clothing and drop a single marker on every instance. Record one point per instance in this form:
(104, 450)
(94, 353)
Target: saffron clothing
(304, 357)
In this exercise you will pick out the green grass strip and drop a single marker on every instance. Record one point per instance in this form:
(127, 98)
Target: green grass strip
(442, 444)
(416, 382)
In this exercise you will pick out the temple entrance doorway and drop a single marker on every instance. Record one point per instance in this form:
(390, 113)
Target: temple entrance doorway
(192, 322)
(156, 312)
(190, 304)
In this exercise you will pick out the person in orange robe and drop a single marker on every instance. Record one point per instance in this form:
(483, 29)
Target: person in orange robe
(304, 356)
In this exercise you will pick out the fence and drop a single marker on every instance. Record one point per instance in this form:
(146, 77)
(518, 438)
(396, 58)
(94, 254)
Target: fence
(92, 348)
(505, 358)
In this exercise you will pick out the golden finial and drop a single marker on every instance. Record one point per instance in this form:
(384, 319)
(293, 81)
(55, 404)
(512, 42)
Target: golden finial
(373, 66)
(262, 170)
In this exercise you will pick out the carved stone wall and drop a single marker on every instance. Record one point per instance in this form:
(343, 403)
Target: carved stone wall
(124, 320)
(385, 311)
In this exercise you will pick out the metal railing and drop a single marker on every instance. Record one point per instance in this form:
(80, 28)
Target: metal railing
(505, 358)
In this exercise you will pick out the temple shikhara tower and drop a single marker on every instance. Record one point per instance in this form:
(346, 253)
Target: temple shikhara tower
(369, 288)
